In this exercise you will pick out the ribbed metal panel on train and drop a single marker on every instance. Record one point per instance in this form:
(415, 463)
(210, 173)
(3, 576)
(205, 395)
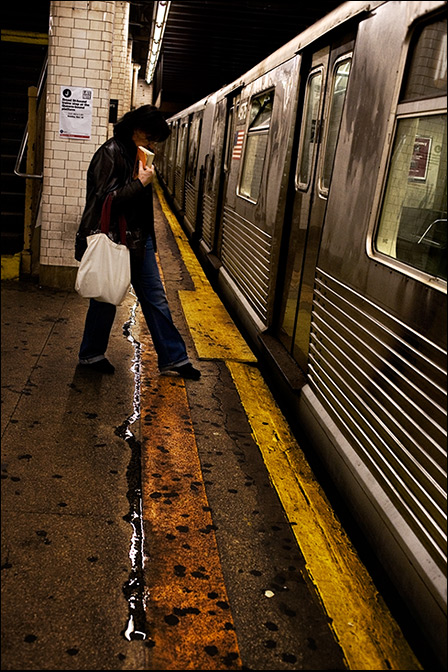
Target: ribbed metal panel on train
(207, 219)
(246, 253)
(178, 185)
(381, 381)
(190, 201)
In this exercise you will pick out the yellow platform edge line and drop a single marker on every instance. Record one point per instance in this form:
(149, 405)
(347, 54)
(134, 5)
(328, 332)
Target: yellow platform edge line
(368, 635)
(212, 329)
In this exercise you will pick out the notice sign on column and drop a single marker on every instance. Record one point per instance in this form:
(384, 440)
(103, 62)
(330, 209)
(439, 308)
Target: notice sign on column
(75, 116)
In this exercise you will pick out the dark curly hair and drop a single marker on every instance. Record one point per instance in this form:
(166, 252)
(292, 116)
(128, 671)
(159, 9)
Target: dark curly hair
(146, 118)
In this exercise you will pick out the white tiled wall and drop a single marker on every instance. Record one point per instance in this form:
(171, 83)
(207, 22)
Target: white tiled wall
(88, 47)
(143, 94)
(120, 87)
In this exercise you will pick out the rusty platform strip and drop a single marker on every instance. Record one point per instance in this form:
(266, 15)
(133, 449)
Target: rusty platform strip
(189, 618)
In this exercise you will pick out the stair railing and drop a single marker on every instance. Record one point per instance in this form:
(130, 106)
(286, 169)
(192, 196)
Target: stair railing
(33, 143)
(25, 139)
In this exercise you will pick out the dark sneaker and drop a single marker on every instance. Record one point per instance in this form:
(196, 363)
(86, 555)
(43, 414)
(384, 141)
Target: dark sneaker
(102, 365)
(188, 371)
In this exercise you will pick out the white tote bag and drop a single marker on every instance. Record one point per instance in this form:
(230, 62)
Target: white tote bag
(104, 273)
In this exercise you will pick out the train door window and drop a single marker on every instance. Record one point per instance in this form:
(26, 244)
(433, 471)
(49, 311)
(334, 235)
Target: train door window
(341, 73)
(256, 145)
(193, 147)
(169, 142)
(173, 141)
(412, 225)
(310, 129)
(181, 144)
(230, 137)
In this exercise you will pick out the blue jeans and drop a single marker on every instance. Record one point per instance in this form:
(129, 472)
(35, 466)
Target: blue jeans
(145, 278)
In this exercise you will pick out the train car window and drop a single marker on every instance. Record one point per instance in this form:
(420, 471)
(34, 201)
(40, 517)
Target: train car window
(256, 144)
(338, 90)
(310, 130)
(426, 76)
(413, 219)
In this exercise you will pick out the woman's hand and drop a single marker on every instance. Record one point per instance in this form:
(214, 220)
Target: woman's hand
(145, 175)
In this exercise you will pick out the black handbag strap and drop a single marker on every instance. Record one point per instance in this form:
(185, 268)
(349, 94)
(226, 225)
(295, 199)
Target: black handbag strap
(105, 219)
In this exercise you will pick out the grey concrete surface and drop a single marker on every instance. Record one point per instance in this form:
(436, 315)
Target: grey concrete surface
(65, 545)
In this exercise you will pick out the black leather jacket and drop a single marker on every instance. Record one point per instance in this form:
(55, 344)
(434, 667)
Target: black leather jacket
(111, 171)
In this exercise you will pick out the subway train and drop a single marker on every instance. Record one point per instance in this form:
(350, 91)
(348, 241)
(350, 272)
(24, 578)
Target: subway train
(314, 191)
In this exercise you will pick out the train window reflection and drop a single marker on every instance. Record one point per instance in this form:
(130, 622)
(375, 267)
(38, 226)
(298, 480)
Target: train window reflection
(230, 136)
(310, 130)
(172, 141)
(181, 144)
(261, 111)
(256, 144)
(427, 72)
(412, 226)
(339, 89)
(193, 145)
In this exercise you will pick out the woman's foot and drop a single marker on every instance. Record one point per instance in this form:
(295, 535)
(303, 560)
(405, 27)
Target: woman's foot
(101, 365)
(187, 371)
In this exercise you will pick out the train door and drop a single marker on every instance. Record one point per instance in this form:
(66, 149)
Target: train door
(194, 137)
(232, 106)
(213, 174)
(323, 99)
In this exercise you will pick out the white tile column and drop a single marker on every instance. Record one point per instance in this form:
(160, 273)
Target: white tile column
(120, 87)
(80, 54)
